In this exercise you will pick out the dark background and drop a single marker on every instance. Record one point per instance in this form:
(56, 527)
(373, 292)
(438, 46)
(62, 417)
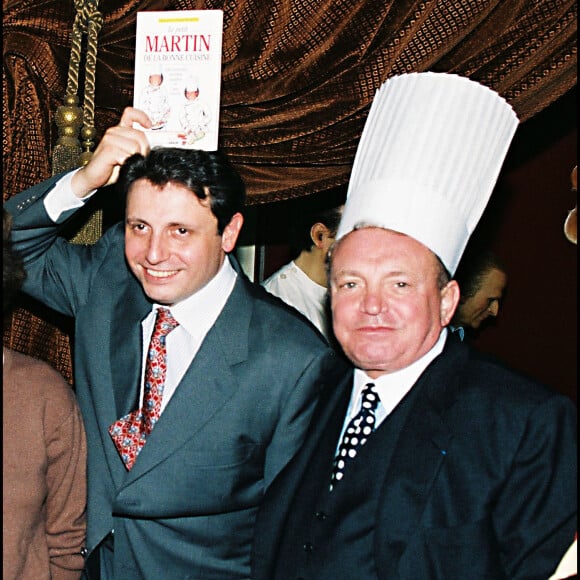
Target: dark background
(536, 331)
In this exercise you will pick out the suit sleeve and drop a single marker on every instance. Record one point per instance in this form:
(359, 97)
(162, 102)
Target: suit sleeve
(59, 273)
(535, 515)
(295, 413)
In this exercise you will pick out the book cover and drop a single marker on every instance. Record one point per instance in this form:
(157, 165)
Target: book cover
(178, 56)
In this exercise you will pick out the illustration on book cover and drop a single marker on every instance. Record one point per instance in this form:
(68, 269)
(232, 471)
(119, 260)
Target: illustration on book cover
(178, 76)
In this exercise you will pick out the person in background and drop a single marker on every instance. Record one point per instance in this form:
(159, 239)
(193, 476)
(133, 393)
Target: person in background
(43, 457)
(568, 566)
(302, 283)
(571, 221)
(482, 280)
(196, 385)
(430, 461)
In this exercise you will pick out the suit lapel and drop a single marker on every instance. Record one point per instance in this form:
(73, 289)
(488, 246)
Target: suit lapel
(126, 348)
(276, 507)
(125, 345)
(419, 455)
(206, 386)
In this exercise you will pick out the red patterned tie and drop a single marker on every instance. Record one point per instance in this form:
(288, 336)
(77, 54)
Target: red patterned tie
(130, 432)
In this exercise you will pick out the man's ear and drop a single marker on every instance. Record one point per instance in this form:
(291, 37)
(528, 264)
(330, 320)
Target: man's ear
(449, 300)
(231, 232)
(319, 233)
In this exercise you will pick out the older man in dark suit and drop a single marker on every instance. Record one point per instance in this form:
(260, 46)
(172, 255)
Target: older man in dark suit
(430, 461)
(195, 385)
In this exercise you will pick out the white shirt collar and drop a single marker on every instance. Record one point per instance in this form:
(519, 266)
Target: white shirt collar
(197, 313)
(392, 387)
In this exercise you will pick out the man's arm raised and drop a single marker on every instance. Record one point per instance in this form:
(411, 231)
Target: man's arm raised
(117, 145)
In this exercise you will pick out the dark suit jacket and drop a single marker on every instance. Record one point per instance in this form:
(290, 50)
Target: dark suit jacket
(188, 506)
(481, 484)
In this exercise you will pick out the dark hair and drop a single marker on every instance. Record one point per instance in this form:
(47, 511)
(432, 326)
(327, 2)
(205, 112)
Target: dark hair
(474, 265)
(299, 234)
(13, 273)
(207, 174)
(443, 275)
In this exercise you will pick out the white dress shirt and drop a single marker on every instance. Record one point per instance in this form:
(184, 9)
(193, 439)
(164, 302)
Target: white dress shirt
(61, 197)
(196, 315)
(390, 387)
(298, 290)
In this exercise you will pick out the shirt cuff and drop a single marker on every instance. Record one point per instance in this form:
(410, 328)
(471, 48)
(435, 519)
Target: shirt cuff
(61, 197)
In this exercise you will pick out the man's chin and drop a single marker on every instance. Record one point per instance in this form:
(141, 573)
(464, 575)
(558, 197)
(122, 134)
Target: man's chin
(158, 297)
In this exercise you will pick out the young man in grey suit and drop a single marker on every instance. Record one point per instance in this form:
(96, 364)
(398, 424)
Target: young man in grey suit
(186, 432)
(430, 461)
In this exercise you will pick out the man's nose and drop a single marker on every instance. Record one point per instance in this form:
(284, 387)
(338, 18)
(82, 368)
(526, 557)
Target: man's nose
(493, 308)
(156, 250)
(373, 302)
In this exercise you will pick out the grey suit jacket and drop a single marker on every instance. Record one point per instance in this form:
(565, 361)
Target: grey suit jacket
(188, 506)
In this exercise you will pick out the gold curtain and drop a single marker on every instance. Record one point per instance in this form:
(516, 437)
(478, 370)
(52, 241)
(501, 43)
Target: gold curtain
(298, 78)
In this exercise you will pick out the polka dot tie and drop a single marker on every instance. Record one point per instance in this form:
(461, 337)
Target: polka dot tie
(130, 432)
(356, 433)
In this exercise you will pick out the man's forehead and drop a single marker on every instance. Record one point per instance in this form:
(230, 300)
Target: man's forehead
(373, 245)
(371, 234)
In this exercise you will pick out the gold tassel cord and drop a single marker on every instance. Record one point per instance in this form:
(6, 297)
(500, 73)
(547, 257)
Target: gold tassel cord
(71, 118)
(88, 131)
(65, 155)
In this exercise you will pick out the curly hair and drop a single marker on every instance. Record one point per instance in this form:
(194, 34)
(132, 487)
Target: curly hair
(208, 174)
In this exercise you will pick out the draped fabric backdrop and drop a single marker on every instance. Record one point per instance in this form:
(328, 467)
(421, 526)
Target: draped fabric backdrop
(298, 78)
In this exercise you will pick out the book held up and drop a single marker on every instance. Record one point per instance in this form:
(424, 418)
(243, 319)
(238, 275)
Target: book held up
(178, 57)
